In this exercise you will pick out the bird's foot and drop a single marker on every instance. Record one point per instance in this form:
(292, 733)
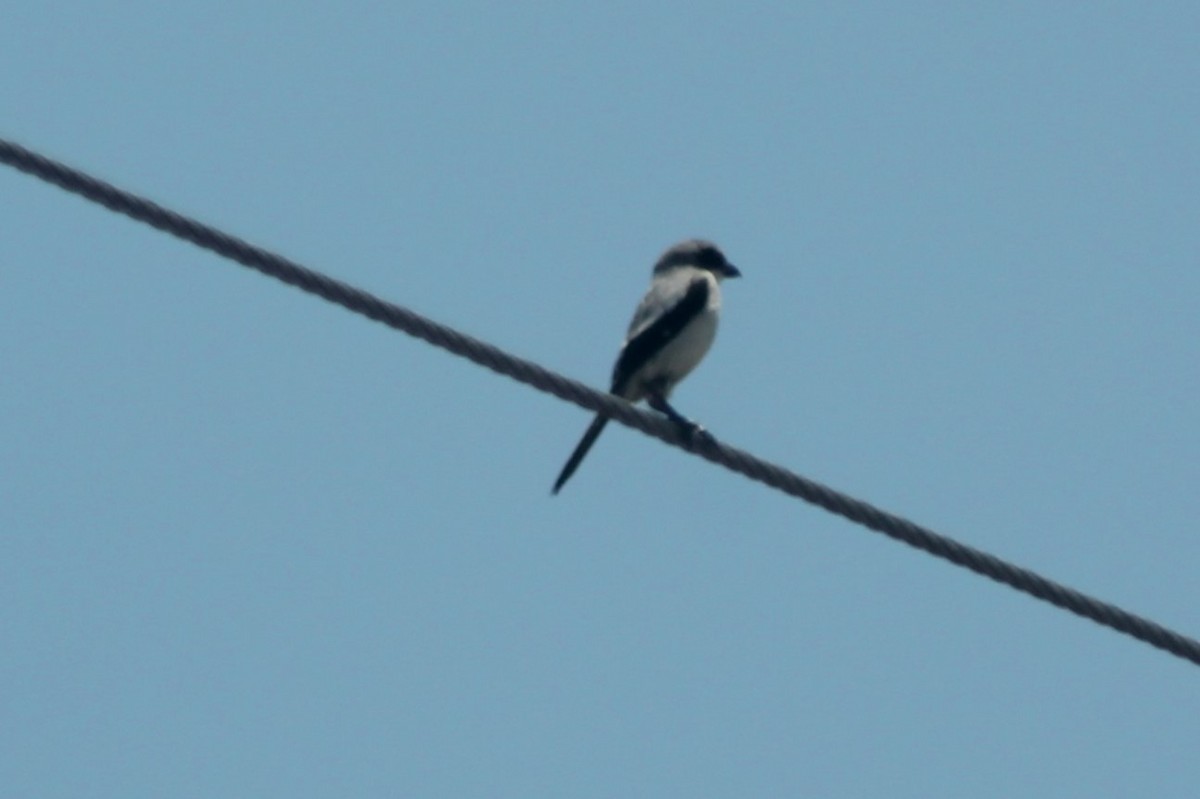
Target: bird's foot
(694, 433)
(697, 434)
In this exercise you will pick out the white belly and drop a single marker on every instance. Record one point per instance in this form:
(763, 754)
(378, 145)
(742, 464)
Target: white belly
(676, 360)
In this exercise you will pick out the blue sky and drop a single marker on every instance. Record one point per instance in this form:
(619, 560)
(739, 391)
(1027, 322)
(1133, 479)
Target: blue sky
(252, 545)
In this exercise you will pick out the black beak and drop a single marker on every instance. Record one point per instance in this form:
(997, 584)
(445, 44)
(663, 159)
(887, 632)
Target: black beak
(730, 270)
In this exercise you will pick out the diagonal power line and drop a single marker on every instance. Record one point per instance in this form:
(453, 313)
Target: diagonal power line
(484, 354)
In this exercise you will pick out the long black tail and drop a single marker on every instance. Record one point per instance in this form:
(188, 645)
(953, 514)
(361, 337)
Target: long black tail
(585, 443)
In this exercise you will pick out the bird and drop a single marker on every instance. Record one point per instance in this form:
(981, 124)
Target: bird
(671, 331)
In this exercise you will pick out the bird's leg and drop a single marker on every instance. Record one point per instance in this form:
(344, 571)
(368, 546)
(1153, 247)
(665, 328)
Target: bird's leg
(659, 403)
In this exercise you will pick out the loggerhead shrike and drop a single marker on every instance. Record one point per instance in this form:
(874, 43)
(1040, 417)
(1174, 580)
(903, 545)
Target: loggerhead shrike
(671, 331)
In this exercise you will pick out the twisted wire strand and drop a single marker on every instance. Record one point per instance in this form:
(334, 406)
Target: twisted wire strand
(531, 374)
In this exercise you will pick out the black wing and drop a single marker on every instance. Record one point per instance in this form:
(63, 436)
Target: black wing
(650, 341)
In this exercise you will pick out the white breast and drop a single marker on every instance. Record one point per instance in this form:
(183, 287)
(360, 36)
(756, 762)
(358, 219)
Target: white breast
(678, 358)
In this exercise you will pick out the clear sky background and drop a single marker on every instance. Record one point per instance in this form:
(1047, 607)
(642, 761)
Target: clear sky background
(253, 545)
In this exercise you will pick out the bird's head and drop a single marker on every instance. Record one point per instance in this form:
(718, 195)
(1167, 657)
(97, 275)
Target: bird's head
(698, 254)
